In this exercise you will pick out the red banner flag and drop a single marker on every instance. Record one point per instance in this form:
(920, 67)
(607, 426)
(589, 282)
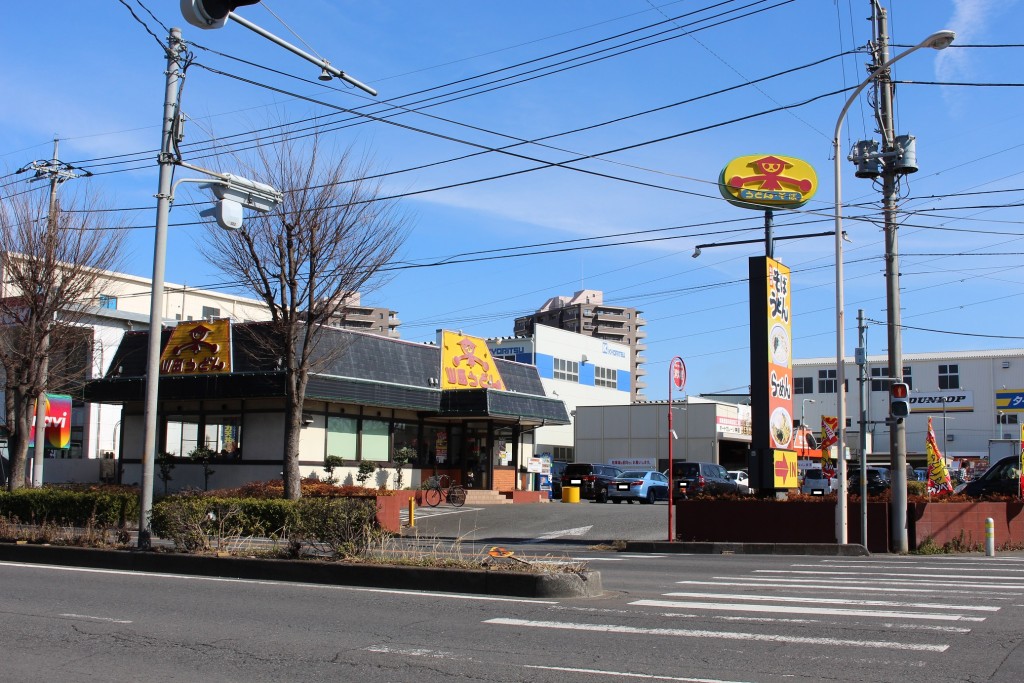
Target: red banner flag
(829, 438)
(938, 475)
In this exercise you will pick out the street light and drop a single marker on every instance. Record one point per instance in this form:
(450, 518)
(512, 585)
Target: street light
(937, 41)
(803, 425)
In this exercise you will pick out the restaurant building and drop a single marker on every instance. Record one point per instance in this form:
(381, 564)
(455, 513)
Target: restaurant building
(450, 406)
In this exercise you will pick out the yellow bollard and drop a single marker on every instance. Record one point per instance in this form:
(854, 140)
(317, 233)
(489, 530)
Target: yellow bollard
(412, 511)
(570, 494)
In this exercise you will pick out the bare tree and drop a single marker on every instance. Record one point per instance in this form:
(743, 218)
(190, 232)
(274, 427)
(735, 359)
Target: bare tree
(50, 263)
(326, 241)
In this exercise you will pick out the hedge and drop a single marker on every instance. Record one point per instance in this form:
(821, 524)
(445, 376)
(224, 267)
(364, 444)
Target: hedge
(98, 507)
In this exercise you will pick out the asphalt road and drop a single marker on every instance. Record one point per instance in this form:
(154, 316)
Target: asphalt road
(554, 523)
(664, 617)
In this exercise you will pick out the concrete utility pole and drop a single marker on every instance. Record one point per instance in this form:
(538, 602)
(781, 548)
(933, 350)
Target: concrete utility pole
(897, 429)
(156, 305)
(57, 173)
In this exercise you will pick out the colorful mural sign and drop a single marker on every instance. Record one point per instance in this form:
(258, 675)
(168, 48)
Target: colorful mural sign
(198, 348)
(466, 363)
(764, 181)
(58, 423)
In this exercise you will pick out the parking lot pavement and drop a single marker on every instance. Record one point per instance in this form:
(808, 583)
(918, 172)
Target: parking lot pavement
(554, 522)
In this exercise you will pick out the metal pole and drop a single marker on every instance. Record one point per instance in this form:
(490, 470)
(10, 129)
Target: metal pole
(862, 342)
(163, 209)
(769, 242)
(44, 361)
(671, 492)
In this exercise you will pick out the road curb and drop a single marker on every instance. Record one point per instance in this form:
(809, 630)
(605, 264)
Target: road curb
(720, 548)
(483, 582)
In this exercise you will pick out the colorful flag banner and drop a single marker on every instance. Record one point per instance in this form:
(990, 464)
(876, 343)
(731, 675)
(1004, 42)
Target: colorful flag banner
(938, 475)
(829, 438)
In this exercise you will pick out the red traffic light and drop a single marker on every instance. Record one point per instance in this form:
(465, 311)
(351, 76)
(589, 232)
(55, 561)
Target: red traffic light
(899, 390)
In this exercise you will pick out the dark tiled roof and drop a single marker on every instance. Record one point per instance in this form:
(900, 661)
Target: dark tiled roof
(349, 367)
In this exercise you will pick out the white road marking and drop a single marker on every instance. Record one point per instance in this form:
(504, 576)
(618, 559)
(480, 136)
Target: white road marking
(646, 556)
(871, 575)
(837, 601)
(722, 635)
(785, 609)
(261, 582)
(626, 674)
(599, 559)
(959, 569)
(414, 652)
(552, 535)
(428, 512)
(86, 616)
(798, 585)
(848, 583)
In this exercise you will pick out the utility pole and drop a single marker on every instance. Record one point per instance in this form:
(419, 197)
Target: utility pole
(897, 429)
(57, 173)
(862, 378)
(156, 304)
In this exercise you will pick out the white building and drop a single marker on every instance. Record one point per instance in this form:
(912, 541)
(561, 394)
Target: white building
(968, 394)
(637, 435)
(577, 369)
(121, 303)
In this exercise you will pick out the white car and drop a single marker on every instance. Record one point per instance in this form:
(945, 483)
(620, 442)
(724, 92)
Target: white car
(741, 478)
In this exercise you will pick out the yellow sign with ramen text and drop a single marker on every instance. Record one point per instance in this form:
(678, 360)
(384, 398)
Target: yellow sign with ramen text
(198, 348)
(767, 181)
(466, 363)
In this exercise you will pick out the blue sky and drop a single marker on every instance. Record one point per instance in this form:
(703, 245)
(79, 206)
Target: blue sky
(91, 74)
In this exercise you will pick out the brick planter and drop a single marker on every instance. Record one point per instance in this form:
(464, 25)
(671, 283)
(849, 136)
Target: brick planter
(753, 521)
(944, 522)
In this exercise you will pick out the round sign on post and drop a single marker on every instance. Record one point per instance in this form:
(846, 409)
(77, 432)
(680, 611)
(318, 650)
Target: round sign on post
(678, 372)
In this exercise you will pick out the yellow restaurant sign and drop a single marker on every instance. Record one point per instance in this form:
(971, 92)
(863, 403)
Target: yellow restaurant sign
(466, 363)
(198, 348)
(763, 181)
(787, 474)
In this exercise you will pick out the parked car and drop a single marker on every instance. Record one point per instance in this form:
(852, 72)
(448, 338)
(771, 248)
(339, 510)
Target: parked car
(1001, 478)
(697, 478)
(592, 479)
(742, 480)
(645, 487)
(557, 468)
(815, 480)
(878, 480)
(921, 474)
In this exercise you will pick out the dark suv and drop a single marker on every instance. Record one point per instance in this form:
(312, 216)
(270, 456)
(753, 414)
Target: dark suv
(1002, 478)
(878, 481)
(695, 478)
(592, 479)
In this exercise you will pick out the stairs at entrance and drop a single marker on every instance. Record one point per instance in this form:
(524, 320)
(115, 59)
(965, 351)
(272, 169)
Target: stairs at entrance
(485, 497)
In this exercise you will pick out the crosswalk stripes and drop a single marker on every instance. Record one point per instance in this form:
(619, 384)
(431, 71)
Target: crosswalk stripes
(921, 605)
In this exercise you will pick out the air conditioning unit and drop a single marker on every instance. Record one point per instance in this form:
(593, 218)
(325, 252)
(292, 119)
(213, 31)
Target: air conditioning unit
(1006, 364)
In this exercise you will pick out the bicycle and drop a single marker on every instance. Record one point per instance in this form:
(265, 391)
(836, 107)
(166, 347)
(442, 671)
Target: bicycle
(442, 488)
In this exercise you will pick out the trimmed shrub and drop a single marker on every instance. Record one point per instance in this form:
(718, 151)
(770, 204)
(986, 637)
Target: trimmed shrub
(341, 527)
(97, 506)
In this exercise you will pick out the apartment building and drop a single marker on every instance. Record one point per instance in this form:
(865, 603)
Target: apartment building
(586, 313)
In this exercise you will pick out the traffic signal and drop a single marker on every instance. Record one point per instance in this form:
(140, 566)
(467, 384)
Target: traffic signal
(208, 14)
(899, 400)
